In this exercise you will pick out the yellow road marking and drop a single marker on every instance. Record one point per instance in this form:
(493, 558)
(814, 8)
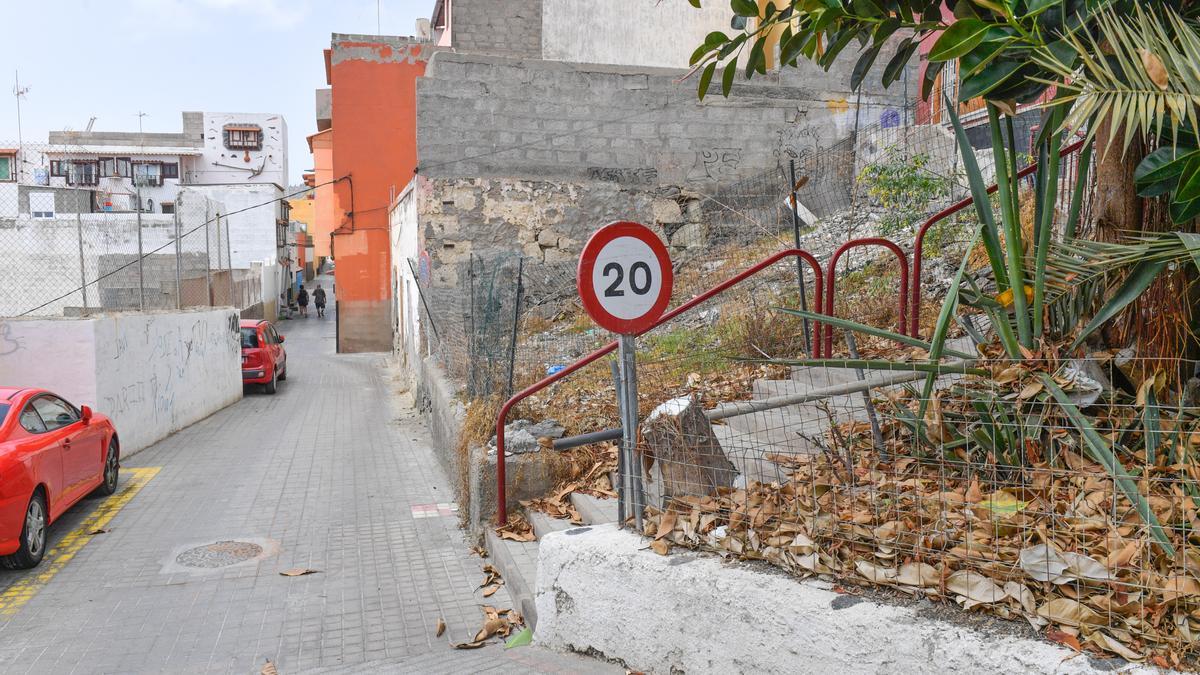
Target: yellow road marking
(15, 596)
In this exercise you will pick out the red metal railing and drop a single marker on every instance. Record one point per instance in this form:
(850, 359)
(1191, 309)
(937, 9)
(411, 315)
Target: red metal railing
(831, 281)
(918, 246)
(501, 491)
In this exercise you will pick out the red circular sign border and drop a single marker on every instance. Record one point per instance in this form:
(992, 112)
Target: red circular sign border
(587, 263)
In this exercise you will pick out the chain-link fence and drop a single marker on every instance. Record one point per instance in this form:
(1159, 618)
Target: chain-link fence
(85, 235)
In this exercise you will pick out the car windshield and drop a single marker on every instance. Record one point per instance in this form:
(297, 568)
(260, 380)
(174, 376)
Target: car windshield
(4, 412)
(249, 337)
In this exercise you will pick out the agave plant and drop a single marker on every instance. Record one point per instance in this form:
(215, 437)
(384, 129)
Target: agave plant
(1134, 65)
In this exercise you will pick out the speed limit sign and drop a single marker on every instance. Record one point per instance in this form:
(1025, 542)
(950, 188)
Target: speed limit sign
(625, 277)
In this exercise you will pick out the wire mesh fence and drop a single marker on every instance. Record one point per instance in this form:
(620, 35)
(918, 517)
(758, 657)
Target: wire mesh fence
(84, 235)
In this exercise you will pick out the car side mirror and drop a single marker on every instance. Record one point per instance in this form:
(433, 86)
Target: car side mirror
(85, 414)
(281, 339)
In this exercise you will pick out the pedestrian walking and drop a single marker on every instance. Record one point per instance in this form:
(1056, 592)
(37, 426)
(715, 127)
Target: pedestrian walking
(302, 300)
(319, 300)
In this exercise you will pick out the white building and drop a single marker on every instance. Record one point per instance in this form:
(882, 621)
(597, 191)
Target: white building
(234, 163)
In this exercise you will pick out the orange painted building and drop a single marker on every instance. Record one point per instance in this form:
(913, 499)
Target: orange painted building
(324, 200)
(372, 154)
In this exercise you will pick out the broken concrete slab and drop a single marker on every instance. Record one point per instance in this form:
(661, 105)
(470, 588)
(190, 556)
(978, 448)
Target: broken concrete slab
(601, 590)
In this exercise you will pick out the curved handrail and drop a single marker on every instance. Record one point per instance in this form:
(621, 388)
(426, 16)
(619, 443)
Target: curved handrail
(830, 282)
(501, 490)
(918, 245)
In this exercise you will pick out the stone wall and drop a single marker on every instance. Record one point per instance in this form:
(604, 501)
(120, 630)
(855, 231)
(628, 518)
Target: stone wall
(511, 27)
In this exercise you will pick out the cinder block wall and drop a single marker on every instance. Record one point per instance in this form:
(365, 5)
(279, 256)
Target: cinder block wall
(510, 27)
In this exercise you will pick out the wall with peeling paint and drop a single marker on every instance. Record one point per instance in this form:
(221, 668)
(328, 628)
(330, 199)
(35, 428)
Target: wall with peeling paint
(373, 82)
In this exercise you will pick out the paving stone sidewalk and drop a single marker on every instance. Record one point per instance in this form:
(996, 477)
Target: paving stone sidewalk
(331, 474)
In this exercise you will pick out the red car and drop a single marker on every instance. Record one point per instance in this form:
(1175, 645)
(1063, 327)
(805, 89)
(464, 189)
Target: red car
(263, 359)
(51, 455)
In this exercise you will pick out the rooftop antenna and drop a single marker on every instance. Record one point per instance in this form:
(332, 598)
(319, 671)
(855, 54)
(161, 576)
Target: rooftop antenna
(378, 24)
(89, 126)
(19, 92)
(140, 115)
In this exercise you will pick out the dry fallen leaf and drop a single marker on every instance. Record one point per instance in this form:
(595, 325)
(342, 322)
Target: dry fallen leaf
(298, 572)
(491, 590)
(1063, 638)
(666, 524)
(269, 669)
(1069, 613)
(468, 645)
(660, 546)
(441, 628)
(490, 628)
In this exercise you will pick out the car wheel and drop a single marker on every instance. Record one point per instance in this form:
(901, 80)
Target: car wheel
(271, 386)
(33, 536)
(112, 470)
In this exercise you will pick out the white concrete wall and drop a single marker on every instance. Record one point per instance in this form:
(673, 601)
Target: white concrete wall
(406, 246)
(153, 373)
(628, 32)
(218, 164)
(272, 286)
(251, 231)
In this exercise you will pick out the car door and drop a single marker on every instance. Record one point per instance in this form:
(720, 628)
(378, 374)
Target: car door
(45, 457)
(79, 450)
(278, 356)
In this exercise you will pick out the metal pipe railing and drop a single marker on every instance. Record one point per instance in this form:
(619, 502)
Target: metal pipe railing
(830, 283)
(502, 416)
(918, 245)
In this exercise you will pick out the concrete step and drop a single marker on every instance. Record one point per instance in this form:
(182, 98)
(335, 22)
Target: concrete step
(544, 524)
(517, 563)
(595, 511)
(750, 459)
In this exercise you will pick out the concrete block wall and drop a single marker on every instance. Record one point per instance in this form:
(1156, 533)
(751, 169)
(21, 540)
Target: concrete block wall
(153, 373)
(480, 115)
(510, 27)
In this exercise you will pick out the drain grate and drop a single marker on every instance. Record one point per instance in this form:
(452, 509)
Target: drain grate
(219, 554)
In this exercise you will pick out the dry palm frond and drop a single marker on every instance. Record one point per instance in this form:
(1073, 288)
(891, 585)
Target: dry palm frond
(1138, 70)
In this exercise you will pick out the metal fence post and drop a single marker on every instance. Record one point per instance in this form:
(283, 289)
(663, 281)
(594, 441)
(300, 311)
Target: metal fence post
(229, 259)
(799, 261)
(141, 267)
(207, 257)
(178, 263)
(82, 265)
(512, 345)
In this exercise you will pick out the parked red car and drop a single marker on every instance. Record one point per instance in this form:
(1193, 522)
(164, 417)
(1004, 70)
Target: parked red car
(51, 455)
(263, 359)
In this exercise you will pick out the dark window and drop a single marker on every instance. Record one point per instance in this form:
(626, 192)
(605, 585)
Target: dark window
(243, 138)
(58, 168)
(170, 170)
(31, 421)
(272, 336)
(55, 412)
(249, 338)
(114, 167)
(4, 407)
(167, 207)
(148, 174)
(83, 172)
(7, 164)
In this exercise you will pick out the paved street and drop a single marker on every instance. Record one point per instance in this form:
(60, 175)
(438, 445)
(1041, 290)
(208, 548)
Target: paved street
(325, 475)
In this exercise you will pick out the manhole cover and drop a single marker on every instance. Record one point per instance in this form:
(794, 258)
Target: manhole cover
(219, 554)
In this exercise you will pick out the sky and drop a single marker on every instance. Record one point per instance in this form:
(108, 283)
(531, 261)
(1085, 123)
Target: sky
(111, 59)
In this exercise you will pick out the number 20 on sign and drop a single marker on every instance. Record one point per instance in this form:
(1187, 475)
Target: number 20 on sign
(625, 278)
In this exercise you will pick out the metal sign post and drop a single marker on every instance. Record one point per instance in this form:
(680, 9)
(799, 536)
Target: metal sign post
(627, 399)
(625, 279)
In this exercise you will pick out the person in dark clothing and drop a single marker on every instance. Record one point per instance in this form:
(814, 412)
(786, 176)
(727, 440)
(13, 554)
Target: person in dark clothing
(302, 300)
(319, 300)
